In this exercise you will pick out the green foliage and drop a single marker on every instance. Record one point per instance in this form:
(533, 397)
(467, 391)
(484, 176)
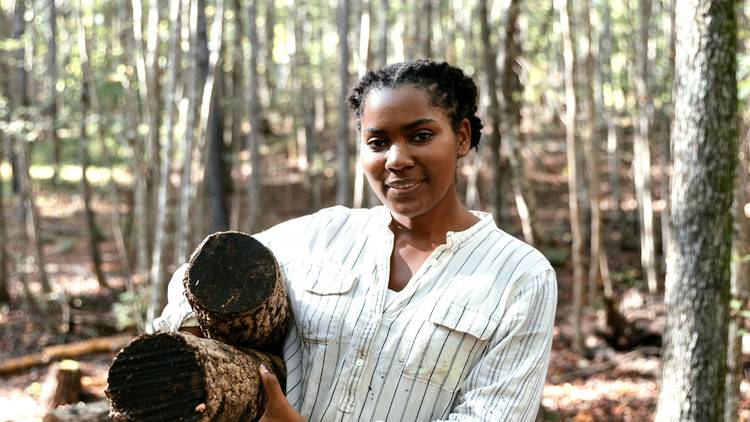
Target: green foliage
(130, 309)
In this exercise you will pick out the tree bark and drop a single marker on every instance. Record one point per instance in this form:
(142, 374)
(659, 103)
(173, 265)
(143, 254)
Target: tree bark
(613, 152)
(569, 54)
(62, 385)
(52, 89)
(176, 376)
(704, 141)
(4, 240)
(343, 177)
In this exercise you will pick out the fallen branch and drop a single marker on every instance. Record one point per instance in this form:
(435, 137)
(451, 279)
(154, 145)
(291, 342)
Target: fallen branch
(63, 351)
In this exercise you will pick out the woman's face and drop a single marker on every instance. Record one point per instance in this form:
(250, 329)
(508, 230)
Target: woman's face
(410, 150)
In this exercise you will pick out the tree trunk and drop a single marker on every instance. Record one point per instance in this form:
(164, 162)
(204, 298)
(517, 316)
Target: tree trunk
(383, 32)
(83, 152)
(52, 89)
(364, 62)
(613, 152)
(704, 143)
(512, 94)
(740, 283)
(598, 266)
(142, 209)
(216, 181)
(641, 151)
(159, 292)
(238, 112)
(186, 182)
(569, 54)
(203, 379)
(4, 240)
(255, 139)
(343, 182)
(497, 202)
(270, 63)
(427, 32)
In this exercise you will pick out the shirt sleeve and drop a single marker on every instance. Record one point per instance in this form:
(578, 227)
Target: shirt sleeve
(507, 383)
(178, 312)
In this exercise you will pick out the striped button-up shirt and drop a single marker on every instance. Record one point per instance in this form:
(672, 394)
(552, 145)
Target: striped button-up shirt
(468, 338)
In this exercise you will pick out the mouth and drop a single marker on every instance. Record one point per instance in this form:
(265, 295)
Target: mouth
(403, 186)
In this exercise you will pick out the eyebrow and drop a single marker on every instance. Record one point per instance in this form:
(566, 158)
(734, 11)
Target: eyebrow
(405, 127)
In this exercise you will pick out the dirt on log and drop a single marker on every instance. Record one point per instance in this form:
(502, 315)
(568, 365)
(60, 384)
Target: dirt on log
(234, 285)
(177, 376)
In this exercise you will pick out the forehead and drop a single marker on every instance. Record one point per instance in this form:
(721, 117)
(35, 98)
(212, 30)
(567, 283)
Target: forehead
(397, 105)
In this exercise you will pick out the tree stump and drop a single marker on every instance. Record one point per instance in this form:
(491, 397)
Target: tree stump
(234, 285)
(62, 384)
(177, 376)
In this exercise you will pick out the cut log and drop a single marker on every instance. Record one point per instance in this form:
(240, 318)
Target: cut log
(176, 376)
(62, 351)
(234, 285)
(62, 385)
(80, 412)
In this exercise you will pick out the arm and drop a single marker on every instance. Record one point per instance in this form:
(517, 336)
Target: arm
(507, 383)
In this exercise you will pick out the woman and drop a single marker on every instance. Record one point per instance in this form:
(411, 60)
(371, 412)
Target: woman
(418, 310)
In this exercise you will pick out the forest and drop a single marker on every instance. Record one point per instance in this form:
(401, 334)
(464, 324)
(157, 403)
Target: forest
(616, 140)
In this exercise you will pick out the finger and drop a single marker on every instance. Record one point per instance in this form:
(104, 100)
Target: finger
(270, 384)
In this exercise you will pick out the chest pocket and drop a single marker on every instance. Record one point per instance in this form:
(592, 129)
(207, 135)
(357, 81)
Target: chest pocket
(448, 345)
(325, 300)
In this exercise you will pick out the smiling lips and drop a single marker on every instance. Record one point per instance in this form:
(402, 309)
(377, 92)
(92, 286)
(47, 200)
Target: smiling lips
(403, 185)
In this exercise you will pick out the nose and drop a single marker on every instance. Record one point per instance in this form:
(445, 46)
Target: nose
(399, 157)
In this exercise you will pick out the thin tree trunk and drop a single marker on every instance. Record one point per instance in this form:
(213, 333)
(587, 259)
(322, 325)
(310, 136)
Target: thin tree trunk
(4, 240)
(255, 139)
(270, 63)
(490, 67)
(383, 31)
(569, 54)
(613, 152)
(598, 265)
(158, 294)
(343, 182)
(142, 170)
(238, 111)
(21, 170)
(93, 231)
(666, 128)
(704, 140)
(641, 150)
(427, 33)
(364, 62)
(215, 180)
(191, 85)
(512, 93)
(52, 89)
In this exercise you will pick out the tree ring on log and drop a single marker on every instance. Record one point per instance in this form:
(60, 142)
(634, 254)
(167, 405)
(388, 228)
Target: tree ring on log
(156, 378)
(234, 285)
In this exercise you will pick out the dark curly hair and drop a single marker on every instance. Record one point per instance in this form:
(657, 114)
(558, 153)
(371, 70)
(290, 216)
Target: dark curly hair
(446, 86)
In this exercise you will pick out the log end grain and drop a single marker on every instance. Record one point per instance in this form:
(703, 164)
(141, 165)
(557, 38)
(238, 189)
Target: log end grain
(156, 378)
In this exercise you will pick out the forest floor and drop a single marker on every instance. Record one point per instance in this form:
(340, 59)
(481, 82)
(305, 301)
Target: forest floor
(606, 385)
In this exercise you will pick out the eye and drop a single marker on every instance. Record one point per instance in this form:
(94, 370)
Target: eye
(422, 136)
(376, 144)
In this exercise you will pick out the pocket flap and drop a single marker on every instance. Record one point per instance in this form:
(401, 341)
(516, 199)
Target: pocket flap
(464, 319)
(331, 283)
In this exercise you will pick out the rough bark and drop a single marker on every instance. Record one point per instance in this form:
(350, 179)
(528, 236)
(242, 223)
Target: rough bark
(234, 286)
(704, 141)
(569, 55)
(176, 376)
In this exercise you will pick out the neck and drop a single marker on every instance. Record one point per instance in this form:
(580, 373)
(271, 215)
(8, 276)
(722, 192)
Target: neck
(448, 215)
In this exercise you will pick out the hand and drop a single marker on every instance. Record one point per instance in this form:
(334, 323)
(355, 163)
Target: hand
(278, 408)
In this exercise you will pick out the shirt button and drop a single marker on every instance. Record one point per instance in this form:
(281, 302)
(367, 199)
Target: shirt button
(360, 363)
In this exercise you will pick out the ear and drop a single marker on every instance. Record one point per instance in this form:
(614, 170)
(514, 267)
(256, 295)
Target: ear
(463, 138)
